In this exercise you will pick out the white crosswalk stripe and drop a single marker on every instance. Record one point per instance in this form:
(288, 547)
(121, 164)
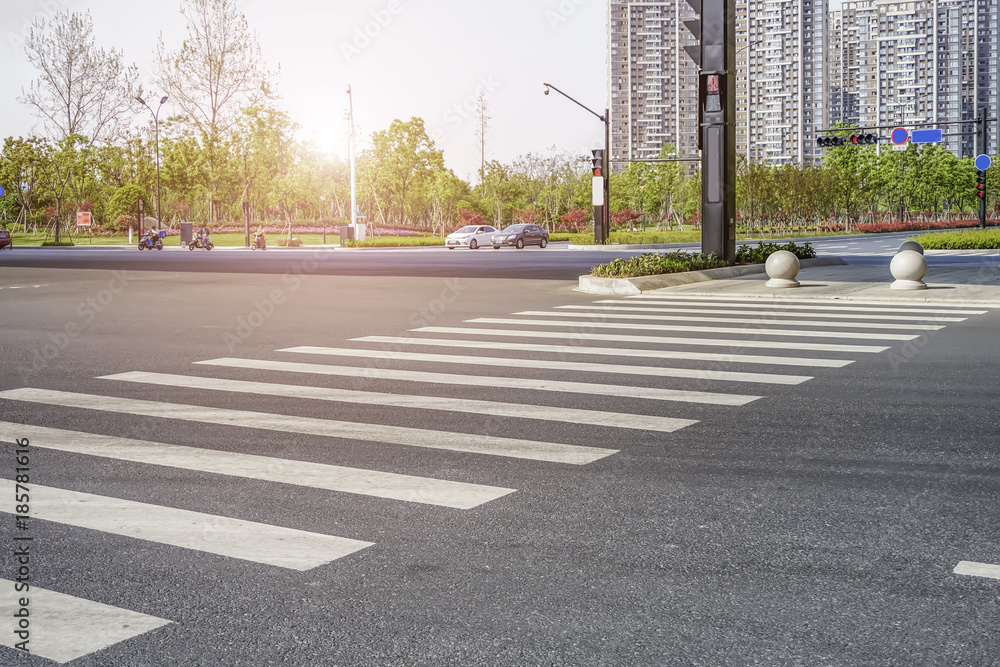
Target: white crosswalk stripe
(299, 473)
(734, 309)
(397, 435)
(64, 627)
(485, 407)
(536, 363)
(741, 331)
(854, 305)
(245, 540)
(692, 355)
(657, 340)
(523, 411)
(596, 314)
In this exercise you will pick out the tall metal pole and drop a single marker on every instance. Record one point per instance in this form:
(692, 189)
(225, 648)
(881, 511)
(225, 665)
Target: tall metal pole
(350, 150)
(601, 227)
(606, 170)
(981, 121)
(156, 126)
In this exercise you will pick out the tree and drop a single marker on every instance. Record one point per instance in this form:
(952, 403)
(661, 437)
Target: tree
(218, 71)
(216, 74)
(405, 164)
(482, 128)
(23, 167)
(82, 89)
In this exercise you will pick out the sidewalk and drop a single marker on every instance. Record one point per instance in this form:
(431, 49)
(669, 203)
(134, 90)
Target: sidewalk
(975, 282)
(953, 278)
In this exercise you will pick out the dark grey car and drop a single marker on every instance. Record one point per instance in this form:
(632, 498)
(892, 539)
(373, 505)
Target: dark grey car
(520, 236)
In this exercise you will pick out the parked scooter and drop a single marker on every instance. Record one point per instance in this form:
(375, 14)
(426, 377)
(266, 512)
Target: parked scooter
(259, 242)
(152, 239)
(202, 242)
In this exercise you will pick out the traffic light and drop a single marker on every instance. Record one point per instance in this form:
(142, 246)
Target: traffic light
(864, 138)
(598, 161)
(827, 142)
(981, 184)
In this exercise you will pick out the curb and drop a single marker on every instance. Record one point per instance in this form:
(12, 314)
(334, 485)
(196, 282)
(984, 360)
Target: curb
(593, 285)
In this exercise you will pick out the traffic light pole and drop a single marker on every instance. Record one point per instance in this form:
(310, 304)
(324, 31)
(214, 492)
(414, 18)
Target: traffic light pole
(602, 227)
(716, 57)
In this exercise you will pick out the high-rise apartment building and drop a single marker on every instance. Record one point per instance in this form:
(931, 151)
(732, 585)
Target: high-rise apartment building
(801, 68)
(653, 81)
(929, 61)
(781, 74)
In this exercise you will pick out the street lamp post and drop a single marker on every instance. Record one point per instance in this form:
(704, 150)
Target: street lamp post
(156, 125)
(350, 150)
(322, 215)
(601, 228)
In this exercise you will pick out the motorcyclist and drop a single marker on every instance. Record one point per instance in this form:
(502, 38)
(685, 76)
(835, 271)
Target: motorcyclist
(203, 237)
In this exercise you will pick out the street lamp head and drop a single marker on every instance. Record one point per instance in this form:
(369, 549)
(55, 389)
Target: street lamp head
(164, 100)
(546, 90)
(140, 100)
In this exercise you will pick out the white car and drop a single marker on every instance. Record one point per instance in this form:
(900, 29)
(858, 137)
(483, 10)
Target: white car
(470, 236)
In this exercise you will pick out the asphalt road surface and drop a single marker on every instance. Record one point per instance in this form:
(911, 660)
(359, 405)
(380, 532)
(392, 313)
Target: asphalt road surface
(297, 468)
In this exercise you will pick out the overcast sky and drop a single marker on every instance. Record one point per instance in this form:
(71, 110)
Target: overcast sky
(402, 58)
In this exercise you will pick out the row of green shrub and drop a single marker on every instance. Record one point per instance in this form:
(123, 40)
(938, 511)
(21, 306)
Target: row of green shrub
(653, 263)
(639, 238)
(967, 240)
(758, 254)
(396, 241)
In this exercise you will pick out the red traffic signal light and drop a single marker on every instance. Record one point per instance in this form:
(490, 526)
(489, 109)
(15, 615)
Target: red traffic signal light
(598, 161)
(981, 184)
(863, 139)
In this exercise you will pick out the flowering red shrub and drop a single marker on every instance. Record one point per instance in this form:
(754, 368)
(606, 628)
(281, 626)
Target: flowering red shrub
(882, 227)
(576, 219)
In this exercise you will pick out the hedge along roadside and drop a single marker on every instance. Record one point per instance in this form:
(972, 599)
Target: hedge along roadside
(967, 240)
(650, 264)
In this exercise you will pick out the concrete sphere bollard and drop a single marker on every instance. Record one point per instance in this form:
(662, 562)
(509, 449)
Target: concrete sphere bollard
(911, 245)
(908, 267)
(782, 267)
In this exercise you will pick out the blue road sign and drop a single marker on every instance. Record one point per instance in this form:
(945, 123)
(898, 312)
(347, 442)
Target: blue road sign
(1, 191)
(983, 163)
(925, 136)
(899, 136)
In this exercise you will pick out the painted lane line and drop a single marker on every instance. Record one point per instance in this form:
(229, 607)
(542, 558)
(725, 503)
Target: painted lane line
(756, 331)
(783, 302)
(766, 310)
(974, 569)
(599, 315)
(472, 361)
(511, 410)
(396, 435)
(717, 357)
(392, 486)
(63, 627)
(209, 533)
(656, 340)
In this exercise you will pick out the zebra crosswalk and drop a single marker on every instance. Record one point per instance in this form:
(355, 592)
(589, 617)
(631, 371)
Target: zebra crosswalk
(666, 359)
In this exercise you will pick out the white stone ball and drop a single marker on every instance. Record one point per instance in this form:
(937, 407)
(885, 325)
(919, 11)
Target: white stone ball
(782, 265)
(908, 265)
(911, 245)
